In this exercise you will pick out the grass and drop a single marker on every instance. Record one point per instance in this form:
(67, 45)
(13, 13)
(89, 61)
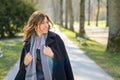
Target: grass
(100, 23)
(93, 23)
(109, 62)
(11, 50)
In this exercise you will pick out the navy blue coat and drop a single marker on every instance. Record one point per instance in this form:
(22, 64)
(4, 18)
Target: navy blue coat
(61, 64)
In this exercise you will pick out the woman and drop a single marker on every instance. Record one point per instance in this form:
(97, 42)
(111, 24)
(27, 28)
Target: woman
(44, 56)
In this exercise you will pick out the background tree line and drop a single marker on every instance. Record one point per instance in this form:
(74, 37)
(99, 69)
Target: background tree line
(64, 13)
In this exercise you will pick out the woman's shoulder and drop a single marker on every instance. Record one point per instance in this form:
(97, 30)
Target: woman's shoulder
(27, 42)
(53, 34)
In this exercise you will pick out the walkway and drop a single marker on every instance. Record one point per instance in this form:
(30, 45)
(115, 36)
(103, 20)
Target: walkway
(98, 34)
(83, 67)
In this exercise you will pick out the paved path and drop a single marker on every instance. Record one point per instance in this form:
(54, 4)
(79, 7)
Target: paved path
(98, 34)
(12, 73)
(83, 67)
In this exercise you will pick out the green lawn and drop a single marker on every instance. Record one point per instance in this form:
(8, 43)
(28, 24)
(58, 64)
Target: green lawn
(11, 50)
(93, 23)
(109, 62)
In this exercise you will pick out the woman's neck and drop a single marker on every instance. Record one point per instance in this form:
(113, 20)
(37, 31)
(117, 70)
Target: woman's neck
(40, 35)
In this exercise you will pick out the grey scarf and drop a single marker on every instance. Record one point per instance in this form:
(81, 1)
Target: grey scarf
(31, 68)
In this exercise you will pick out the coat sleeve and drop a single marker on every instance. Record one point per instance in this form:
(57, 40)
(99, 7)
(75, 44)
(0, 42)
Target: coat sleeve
(23, 53)
(67, 65)
(21, 73)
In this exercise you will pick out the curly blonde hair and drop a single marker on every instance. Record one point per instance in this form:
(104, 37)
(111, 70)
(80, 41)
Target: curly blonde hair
(35, 19)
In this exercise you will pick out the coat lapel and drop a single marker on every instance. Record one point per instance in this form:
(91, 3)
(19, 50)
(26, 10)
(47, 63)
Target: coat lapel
(50, 39)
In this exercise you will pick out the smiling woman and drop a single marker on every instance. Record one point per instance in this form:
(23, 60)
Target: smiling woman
(44, 56)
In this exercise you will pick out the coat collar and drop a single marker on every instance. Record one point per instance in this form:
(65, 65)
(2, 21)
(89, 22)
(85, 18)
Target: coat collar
(51, 38)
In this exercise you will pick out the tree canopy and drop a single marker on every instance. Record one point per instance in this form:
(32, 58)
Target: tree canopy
(13, 16)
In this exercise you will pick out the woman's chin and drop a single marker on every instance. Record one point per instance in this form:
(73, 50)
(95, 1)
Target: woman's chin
(45, 32)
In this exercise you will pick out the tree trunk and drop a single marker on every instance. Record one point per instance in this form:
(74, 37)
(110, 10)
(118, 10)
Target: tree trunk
(66, 14)
(82, 19)
(10, 32)
(107, 13)
(61, 13)
(98, 12)
(2, 35)
(70, 15)
(114, 26)
(56, 11)
(89, 11)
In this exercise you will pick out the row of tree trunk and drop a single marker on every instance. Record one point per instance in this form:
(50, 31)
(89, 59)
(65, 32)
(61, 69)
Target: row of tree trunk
(113, 21)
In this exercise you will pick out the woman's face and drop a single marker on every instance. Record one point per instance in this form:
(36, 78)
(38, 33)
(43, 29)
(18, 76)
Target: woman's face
(43, 27)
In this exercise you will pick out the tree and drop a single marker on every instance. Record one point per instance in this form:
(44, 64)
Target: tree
(70, 15)
(114, 26)
(66, 14)
(89, 11)
(56, 10)
(61, 13)
(107, 13)
(98, 12)
(13, 15)
(82, 19)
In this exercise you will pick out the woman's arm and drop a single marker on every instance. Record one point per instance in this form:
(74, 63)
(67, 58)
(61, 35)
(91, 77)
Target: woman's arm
(21, 73)
(23, 54)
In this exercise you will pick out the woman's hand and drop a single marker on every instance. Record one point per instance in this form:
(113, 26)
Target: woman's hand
(48, 51)
(27, 59)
